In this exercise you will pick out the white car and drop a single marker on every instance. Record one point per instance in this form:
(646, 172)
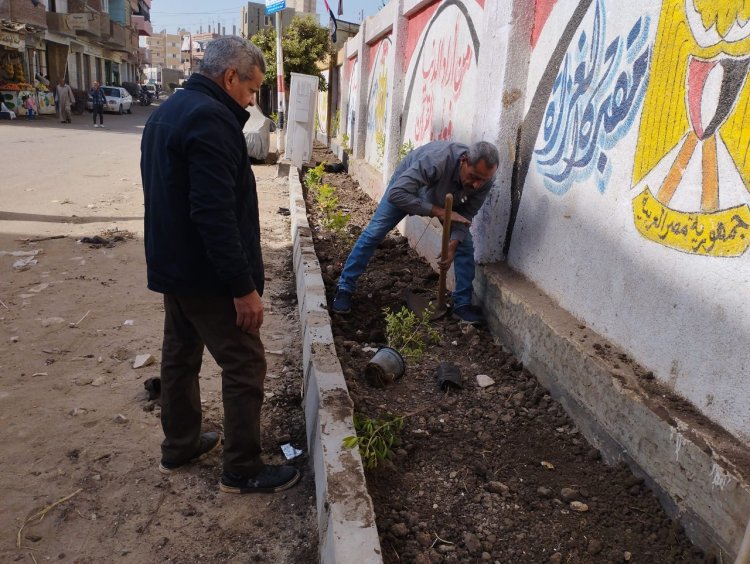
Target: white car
(118, 100)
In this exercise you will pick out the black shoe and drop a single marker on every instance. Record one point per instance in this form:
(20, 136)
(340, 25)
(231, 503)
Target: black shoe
(468, 314)
(342, 302)
(270, 479)
(208, 442)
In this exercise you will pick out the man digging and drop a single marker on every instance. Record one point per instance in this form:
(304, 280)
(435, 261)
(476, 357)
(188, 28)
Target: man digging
(418, 187)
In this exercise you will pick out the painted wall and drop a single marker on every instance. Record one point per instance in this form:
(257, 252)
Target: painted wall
(624, 135)
(634, 210)
(378, 101)
(440, 61)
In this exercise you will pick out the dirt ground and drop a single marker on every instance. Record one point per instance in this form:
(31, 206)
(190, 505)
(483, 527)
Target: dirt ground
(81, 438)
(496, 473)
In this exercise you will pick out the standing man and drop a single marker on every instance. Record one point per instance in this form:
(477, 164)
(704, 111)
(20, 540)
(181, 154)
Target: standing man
(418, 187)
(98, 100)
(65, 100)
(202, 237)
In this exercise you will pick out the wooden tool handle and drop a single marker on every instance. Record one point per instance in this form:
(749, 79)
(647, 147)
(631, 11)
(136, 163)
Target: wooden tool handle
(444, 249)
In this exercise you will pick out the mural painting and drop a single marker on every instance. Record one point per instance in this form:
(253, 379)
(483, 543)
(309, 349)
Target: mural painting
(593, 103)
(351, 102)
(443, 48)
(321, 112)
(377, 104)
(692, 165)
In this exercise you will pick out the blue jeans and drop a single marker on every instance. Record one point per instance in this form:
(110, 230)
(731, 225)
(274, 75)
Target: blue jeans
(386, 217)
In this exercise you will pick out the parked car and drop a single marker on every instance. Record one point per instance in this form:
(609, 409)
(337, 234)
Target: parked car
(118, 100)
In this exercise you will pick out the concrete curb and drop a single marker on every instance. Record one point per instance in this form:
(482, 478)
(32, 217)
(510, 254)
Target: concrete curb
(687, 463)
(346, 518)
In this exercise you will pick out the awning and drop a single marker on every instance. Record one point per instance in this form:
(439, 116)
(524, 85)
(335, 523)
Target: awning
(12, 40)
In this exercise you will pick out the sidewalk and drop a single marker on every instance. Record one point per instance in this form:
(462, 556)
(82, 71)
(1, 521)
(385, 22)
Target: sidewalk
(83, 439)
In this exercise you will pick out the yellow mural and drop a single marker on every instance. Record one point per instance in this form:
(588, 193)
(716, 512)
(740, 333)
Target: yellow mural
(696, 110)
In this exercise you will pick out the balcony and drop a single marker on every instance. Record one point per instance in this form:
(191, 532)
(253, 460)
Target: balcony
(56, 23)
(23, 11)
(104, 26)
(142, 25)
(117, 36)
(144, 56)
(84, 24)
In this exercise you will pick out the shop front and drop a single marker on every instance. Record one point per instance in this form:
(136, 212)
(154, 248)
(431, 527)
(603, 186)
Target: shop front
(13, 80)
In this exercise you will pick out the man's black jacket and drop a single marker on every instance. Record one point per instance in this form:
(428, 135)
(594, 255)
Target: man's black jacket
(202, 230)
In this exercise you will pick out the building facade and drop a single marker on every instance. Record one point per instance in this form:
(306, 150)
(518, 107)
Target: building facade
(78, 40)
(253, 17)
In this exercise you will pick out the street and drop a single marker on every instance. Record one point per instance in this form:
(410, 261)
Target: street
(81, 438)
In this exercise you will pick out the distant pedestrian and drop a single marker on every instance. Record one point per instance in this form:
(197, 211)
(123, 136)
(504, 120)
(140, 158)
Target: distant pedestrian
(30, 106)
(64, 99)
(98, 100)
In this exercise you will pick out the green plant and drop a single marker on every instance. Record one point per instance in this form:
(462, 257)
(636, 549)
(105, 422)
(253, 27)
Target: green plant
(345, 142)
(409, 334)
(315, 175)
(404, 150)
(304, 42)
(337, 222)
(375, 437)
(333, 218)
(326, 199)
(274, 117)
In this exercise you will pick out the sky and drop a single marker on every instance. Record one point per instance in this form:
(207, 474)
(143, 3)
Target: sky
(191, 14)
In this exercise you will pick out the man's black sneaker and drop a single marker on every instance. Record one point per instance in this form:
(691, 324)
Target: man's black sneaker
(468, 314)
(270, 479)
(208, 442)
(342, 303)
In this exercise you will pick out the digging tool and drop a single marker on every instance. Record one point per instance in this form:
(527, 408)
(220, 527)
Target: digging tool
(419, 303)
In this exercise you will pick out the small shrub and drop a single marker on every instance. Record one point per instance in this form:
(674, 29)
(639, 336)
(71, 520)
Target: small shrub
(315, 175)
(409, 334)
(326, 199)
(375, 438)
(404, 150)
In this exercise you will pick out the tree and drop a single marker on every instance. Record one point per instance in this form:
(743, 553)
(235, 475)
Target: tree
(303, 42)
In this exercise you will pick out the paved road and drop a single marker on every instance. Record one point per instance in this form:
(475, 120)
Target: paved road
(52, 172)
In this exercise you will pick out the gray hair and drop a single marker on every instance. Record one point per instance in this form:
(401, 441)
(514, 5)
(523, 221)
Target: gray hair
(483, 151)
(231, 53)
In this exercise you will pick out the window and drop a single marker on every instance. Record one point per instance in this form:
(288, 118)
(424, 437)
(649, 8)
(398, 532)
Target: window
(105, 6)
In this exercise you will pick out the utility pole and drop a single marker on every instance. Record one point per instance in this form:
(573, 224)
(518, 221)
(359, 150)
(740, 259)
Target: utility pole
(280, 84)
(329, 110)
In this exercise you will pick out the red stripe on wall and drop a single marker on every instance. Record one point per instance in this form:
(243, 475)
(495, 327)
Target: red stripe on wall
(542, 9)
(414, 28)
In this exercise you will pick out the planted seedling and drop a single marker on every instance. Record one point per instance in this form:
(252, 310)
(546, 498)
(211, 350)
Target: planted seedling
(408, 333)
(404, 150)
(315, 175)
(375, 437)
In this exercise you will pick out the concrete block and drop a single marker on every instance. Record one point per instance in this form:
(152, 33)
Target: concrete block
(282, 168)
(699, 471)
(346, 517)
